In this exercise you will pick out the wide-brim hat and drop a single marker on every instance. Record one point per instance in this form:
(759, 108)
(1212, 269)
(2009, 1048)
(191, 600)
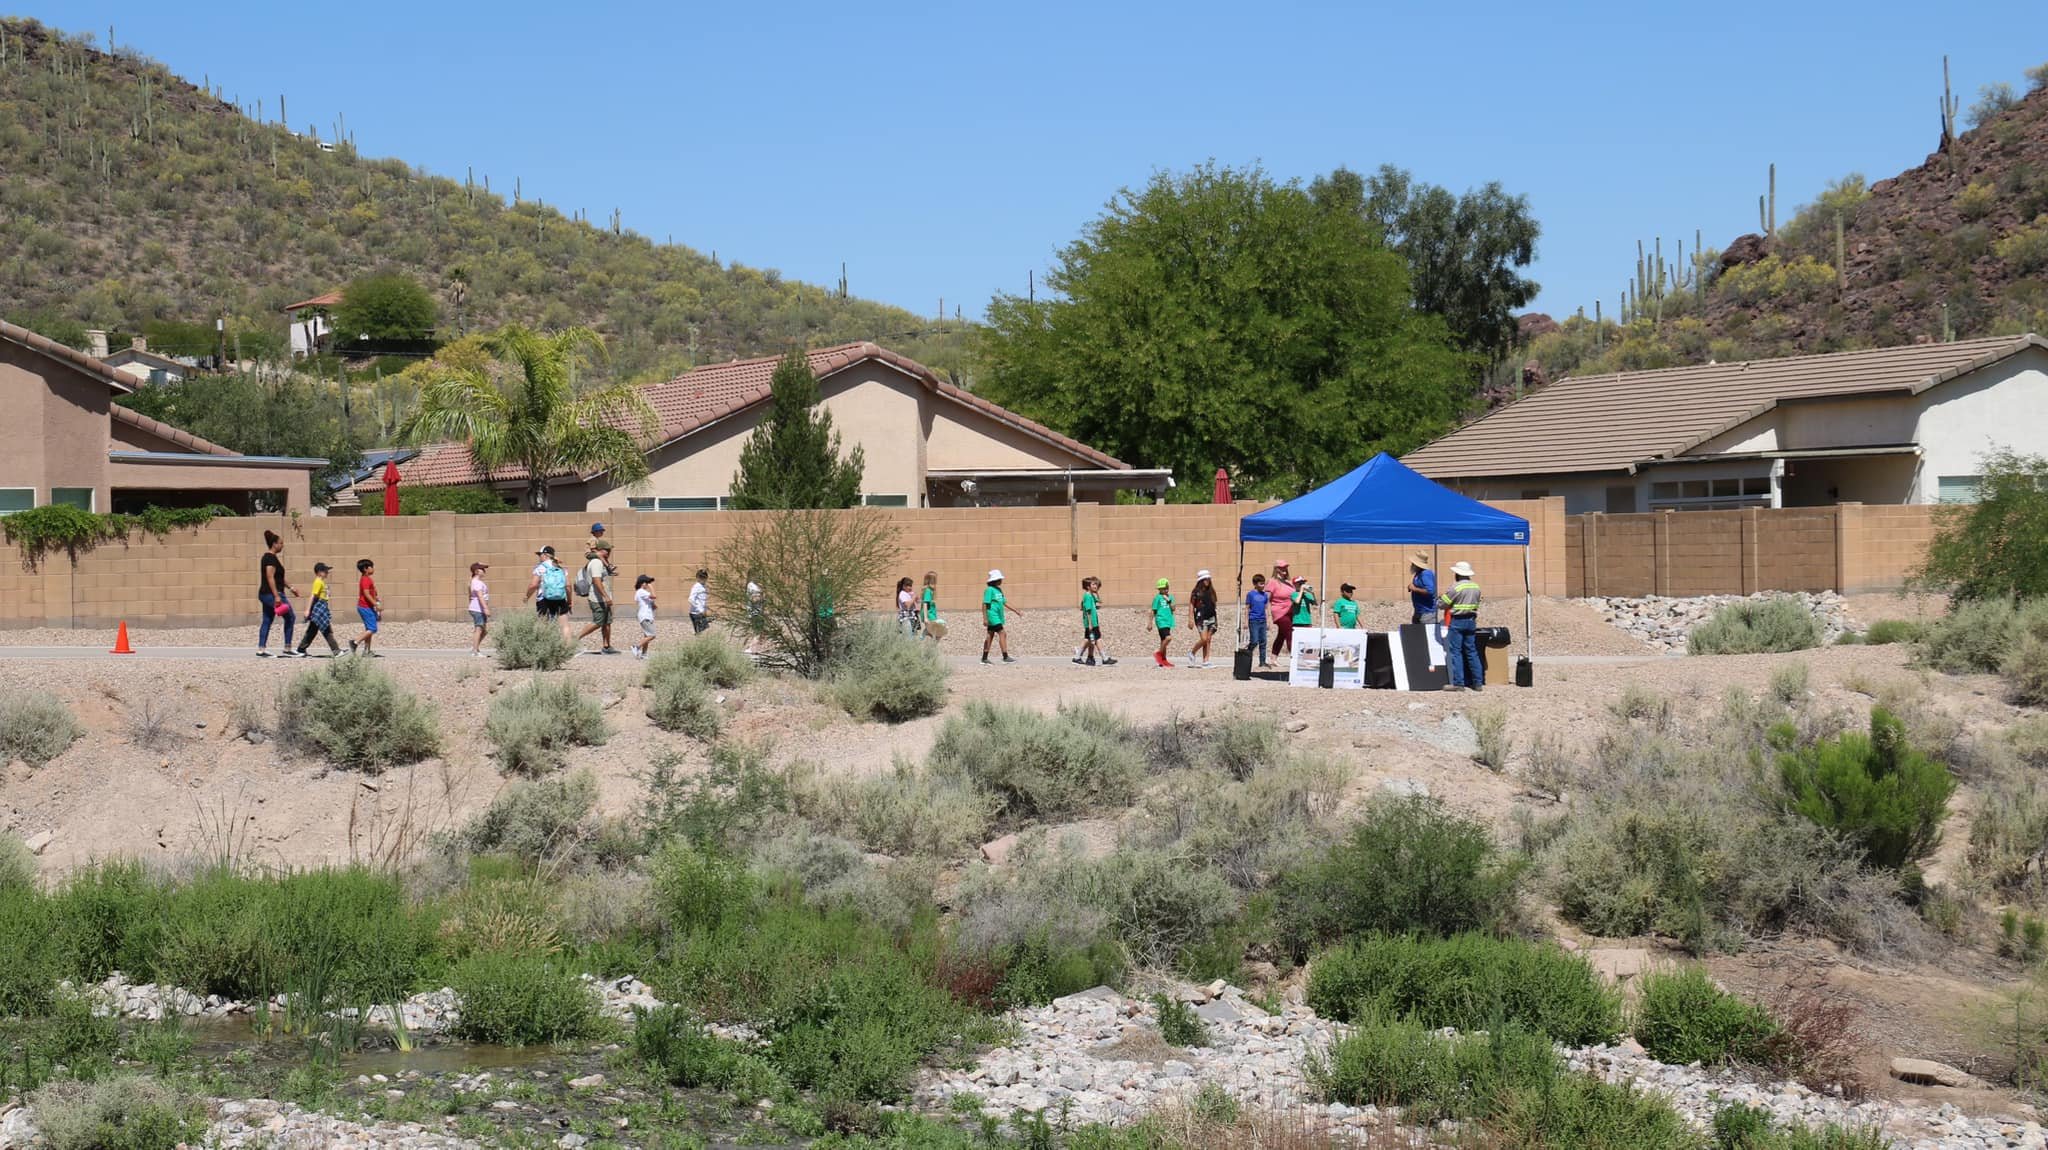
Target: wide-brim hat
(1462, 569)
(995, 576)
(1419, 559)
(1202, 574)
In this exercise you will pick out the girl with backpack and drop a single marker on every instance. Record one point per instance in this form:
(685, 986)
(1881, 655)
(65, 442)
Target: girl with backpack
(550, 590)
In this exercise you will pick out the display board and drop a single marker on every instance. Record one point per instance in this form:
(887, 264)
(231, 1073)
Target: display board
(1311, 643)
(1409, 658)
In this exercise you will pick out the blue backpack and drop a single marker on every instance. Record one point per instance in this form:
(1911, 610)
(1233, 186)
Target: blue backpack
(554, 582)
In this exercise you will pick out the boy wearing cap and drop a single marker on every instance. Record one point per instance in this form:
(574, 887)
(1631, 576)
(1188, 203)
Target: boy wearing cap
(596, 536)
(1421, 588)
(1345, 608)
(1461, 638)
(1162, 618)
(479, 606)
(994, 609)
(319, 616)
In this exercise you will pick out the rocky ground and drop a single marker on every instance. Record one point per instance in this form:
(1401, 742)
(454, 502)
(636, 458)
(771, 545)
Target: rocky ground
(1100, 1055)
(1663, 622)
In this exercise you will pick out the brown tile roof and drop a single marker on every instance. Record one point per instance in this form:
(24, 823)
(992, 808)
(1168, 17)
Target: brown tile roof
(68, 356)
(1613, 422)
(165, 431)
(324, 299)
(698, 398)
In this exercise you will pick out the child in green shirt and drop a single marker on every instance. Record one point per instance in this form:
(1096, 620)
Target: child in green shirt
(1091, 625)
(1345, 608)
(993, 613)
(1304, 604)
(1162, 618)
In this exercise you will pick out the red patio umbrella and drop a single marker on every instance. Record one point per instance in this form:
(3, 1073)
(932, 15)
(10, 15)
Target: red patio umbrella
(391, 487)
(1222, 486)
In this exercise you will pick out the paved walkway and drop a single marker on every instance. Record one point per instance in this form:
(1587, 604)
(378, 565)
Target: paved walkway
(1222, 667)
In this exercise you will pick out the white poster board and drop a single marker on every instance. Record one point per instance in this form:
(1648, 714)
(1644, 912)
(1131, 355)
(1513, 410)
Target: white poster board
(1310, 643)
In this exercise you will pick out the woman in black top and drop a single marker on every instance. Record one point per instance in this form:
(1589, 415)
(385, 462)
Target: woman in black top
(273, 591)
(1202, 605)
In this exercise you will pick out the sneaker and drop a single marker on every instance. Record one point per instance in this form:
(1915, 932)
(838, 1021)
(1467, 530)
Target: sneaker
(262, 654)
(1108, 662)
(1008, 659)
(1166, 662)
(351, 646)
(608, 650)
(482, 655)
(1084, 662)
(984, 660)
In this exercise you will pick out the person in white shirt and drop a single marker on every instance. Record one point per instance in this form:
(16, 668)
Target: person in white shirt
(700, 604)
(755, 619)
(643, 609)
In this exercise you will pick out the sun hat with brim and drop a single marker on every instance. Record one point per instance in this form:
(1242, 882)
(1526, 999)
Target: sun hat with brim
(1280, 563)
(1462, 569)
(995, 576)
(1419, 559)
(1202, 574)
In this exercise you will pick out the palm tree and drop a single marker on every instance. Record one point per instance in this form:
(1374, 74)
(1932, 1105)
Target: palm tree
(535, 419)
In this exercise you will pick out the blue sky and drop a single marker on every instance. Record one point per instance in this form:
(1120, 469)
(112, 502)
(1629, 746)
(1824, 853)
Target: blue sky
(943, 151)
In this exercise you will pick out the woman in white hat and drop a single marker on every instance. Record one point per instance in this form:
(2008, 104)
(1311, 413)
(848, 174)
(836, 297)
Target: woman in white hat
(993, 613)
(1461, 639)
(1202, 610)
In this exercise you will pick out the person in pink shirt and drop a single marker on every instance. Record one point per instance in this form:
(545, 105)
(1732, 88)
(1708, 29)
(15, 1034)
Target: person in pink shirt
(1281, 608)
(479, 606)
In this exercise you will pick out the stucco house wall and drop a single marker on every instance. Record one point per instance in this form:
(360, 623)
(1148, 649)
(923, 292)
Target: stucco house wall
(2002, 406)
(55, 434)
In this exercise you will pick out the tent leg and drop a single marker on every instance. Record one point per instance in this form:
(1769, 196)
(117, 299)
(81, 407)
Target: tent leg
(1323, 587)
(1528, 609)
(1237, 628)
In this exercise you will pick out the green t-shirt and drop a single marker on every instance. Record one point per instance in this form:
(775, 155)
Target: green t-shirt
(1162, 610)
(931, 604)
(1304, 607)
(1089, 617)
(1346, 611)
(992, 606)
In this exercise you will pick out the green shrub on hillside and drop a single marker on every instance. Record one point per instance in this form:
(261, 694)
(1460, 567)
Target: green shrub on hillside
(713, 657)
(124, 1112)
(353, 715)
(2025, 671)
(35, 727)
(1894, 631)
(1975, 635)
(1179, 1025)
(2025, 250)
(1040, 766)
(1775, 280)
(1467, 981)
(29, 962)
(539, 822)
(17, 863)
(523, 641)
(675, 1044)
(1252, 828)
(109, 916)
(1876, 790)
(518, 999)
(908, 811)
(1994, 548)
(1410, 864)
(532, 728)
(680, 700)
(1153, 903)
(1753, 626)
(883, 674)
(1682, 1017)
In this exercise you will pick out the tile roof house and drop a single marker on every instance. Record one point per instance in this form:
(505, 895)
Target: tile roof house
(66, 441)
(143, 366)
(927, 442)
(1890, 425)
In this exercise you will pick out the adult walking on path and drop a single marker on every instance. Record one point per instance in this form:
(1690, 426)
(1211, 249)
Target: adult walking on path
(597, 579)
(549, 590)
(1461, 639)
(273, 591)
(1421, 589)
(1280, 608)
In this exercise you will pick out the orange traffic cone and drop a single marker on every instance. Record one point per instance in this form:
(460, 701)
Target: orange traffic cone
(121, 646)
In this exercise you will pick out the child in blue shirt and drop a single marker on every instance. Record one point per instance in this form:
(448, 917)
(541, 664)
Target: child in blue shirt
(1255, 603)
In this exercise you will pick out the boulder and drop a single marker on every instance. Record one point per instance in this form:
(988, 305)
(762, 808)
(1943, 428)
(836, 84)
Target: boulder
(996, 851)
(1744, 249)
(1925, 1072)
(1619, 963)
(39, 842)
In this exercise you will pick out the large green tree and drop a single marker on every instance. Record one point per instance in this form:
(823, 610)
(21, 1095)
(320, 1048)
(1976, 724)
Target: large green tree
(294, 416)
(387, 305)
(1463, 252)
(792, 460)
(1216, 318)
(530, 413)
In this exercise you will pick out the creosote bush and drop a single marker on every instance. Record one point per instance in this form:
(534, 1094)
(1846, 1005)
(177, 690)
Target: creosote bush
(1040, 766)
(1468, 981)
(35, 727)
(538, 823)
(1410, 864)
(124, 1112)
(518, 999)
(881, 673)
(524, 641)
(1681, 1017)
(1752, 626)
(353, 715)
(532, 728)
(1875, 790)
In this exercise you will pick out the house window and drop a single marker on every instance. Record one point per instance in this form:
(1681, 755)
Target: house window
(676, 503)
(79, 497)
(1714, 494)
(13, 499)
(1621, 499)
(1958, 488)
(886, 500)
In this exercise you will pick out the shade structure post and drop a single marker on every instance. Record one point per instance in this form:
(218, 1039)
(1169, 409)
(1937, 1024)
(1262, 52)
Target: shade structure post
(1322, 585)
(1528, 609)
(1237, 628)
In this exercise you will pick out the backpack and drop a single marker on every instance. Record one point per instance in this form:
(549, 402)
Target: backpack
(583, 587)
(554, 582)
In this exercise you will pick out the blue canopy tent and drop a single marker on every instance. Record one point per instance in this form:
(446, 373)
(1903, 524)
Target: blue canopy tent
(1385, 502)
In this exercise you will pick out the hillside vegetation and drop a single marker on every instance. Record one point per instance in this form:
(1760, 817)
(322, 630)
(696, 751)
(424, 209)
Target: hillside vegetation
(1954, 248)
(133, 198)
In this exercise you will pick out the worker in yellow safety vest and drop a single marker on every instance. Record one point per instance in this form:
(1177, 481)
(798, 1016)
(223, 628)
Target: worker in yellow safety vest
(1461, 638)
